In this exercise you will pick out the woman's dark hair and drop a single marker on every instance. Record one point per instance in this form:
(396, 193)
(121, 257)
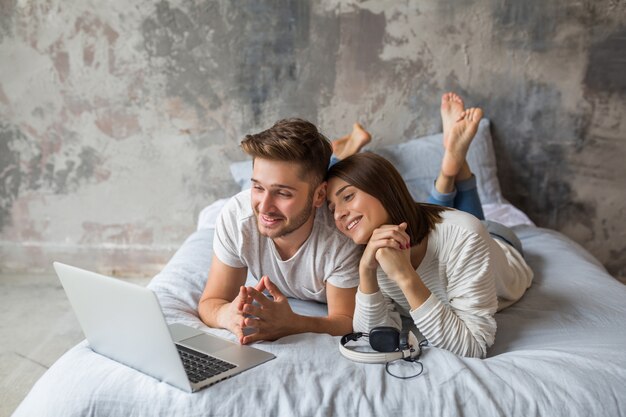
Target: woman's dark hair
(377, 177)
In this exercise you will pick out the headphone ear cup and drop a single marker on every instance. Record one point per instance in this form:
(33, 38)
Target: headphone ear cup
(384, 339)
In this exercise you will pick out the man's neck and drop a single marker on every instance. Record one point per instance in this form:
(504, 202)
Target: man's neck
(288, 245)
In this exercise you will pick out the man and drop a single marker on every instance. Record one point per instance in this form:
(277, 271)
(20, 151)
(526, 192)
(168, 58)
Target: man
(280, 232)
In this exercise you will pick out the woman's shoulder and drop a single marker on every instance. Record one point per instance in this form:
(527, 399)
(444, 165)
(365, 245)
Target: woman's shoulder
(459, 231)
(462, 221)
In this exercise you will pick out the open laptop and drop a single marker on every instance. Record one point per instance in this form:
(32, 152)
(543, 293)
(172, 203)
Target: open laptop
(124, 322)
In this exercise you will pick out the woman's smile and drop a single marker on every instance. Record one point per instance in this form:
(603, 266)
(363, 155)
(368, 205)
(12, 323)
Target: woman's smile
(353, 223)
(357, 214)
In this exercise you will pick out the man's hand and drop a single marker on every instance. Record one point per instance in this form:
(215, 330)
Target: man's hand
(272, 319)
(222, 297)
(230, 315)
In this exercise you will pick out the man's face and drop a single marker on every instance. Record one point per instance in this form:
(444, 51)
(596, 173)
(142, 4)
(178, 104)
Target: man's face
(282, 201)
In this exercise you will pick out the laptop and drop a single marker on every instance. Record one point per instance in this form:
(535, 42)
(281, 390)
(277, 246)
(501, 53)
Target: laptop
(124, 322)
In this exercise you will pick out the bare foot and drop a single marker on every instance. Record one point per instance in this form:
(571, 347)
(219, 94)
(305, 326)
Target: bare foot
(458, 141)
(452, 108)
(339, 144)
(352, 143)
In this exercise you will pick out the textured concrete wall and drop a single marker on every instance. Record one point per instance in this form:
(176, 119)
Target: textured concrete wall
(118, 119)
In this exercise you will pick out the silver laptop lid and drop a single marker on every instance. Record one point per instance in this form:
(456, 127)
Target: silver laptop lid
(124, 322)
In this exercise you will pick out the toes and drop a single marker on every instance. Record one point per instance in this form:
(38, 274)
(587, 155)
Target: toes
(475, 114)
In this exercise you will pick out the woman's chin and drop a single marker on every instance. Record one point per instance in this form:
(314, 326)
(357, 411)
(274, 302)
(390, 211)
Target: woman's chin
(356, 238)
(360, 236)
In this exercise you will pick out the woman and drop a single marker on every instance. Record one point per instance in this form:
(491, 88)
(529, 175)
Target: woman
(439, 266)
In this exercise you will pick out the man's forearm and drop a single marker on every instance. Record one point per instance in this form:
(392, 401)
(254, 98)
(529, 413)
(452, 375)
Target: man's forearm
(334, 325)
(209, 311)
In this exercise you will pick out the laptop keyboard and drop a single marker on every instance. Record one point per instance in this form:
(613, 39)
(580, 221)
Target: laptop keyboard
(200, 366)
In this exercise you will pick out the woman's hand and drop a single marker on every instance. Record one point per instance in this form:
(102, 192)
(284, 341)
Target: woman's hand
(386, 236)
(396, 263)
(397, 266)
(392, 251)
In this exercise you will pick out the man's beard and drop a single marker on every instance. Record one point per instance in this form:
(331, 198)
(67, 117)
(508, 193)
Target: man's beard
(295, 222)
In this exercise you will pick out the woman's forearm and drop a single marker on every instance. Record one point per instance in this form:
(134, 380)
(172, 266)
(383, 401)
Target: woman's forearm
(413, 288)
(368, 284)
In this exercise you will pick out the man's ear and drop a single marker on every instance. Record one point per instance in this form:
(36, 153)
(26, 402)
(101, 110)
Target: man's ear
(319, 198)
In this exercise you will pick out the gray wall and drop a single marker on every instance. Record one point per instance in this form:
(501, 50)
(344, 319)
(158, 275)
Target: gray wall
(118, 119)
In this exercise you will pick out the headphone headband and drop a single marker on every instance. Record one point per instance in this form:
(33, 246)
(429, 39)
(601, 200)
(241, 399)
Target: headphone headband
(411, 350)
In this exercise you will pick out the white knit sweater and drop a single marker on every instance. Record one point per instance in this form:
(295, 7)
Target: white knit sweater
(469, 275)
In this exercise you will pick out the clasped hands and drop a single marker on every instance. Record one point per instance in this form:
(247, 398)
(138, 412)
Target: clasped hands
(268, 319)
(390, 247)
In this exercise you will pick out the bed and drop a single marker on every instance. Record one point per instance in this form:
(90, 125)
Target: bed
(559, 351)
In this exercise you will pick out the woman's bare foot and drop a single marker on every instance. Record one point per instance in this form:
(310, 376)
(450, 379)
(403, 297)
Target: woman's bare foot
(452, 108)
(458, 141)
(352, 143)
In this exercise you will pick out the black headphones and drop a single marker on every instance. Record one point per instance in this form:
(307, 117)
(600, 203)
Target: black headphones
(392, 343)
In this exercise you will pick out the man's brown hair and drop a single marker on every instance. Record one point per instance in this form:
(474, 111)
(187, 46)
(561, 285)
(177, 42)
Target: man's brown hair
(293, 140)
(377, 177)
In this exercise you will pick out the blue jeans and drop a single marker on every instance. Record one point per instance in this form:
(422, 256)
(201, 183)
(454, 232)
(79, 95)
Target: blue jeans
(465, 198)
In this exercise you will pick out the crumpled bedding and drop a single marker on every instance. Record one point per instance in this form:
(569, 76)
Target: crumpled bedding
(560, 351)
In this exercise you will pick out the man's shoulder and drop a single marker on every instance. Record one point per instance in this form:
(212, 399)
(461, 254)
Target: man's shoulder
(326, 229)
(238, 211)
(239, 205)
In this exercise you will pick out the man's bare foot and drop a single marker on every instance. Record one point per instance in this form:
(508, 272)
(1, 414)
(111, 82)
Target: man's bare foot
(339, 144)
(458, 142)
(452, 108)
(352, 143)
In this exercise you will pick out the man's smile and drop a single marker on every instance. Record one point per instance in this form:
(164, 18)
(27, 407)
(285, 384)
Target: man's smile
(270, 220)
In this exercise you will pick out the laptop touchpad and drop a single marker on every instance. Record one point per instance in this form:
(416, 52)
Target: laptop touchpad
(206, 343)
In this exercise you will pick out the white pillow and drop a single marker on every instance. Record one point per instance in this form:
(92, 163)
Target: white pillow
(419, 160)
(242, 172)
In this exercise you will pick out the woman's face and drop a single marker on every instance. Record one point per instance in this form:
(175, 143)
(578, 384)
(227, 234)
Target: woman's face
(356, 213)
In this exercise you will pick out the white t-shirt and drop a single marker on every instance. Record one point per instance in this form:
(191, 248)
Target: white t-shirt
(470, 276)
(327, 255)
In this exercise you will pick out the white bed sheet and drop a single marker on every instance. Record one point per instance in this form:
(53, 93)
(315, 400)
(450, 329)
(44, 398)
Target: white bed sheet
(558, 352)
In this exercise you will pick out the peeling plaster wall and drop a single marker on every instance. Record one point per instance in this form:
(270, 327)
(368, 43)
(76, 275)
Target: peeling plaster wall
(118, 120)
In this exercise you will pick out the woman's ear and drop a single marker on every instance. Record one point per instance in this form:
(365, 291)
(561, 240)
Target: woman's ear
(319, 197)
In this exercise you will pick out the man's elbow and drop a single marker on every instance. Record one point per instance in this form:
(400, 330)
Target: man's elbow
(342, 325)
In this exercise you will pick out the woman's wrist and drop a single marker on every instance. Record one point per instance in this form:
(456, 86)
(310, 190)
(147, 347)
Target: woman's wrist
(413, 289)
(368, 283)
(405, 278)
